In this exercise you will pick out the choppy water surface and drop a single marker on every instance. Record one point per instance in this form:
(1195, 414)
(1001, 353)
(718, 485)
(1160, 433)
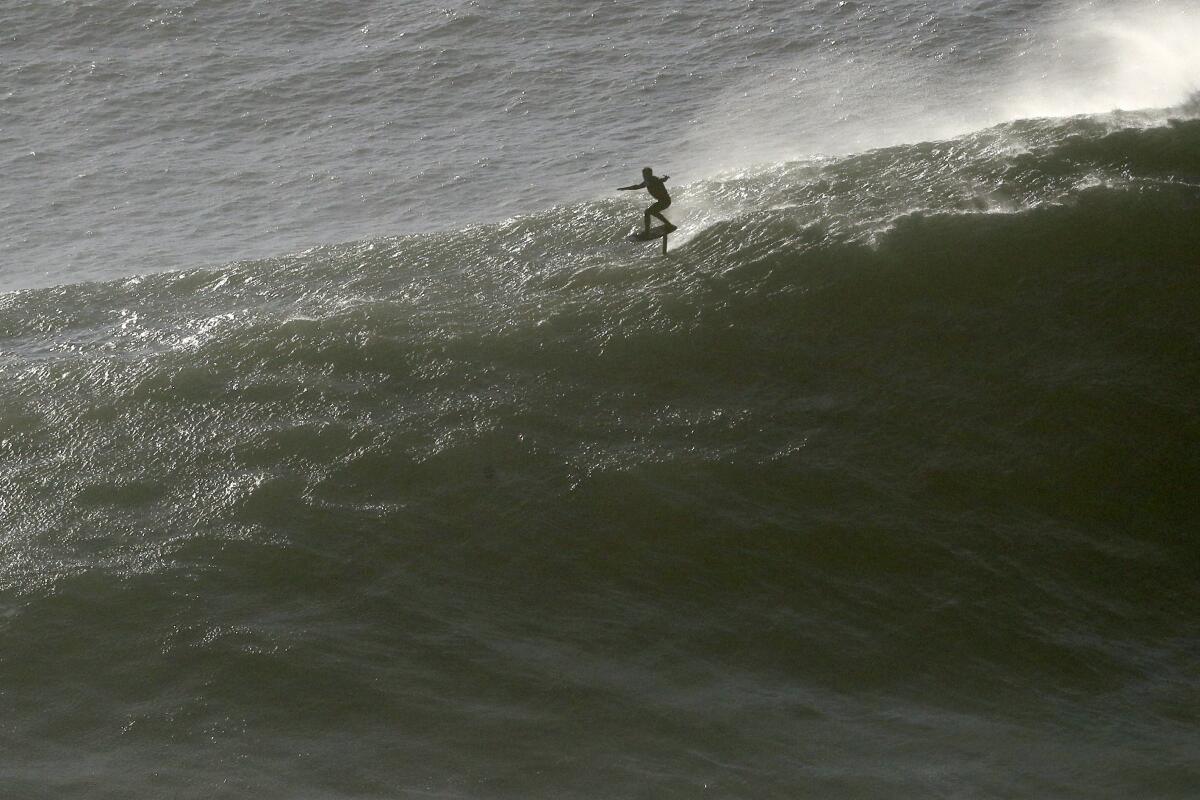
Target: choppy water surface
(881, 484)
(144, 135)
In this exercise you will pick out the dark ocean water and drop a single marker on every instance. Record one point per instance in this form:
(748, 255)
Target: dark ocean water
(881, 484)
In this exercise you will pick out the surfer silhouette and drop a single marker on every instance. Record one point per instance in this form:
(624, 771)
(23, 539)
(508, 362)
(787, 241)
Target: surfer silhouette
(654, 185)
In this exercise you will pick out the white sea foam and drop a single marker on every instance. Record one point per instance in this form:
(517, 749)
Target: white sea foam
(1116, 57)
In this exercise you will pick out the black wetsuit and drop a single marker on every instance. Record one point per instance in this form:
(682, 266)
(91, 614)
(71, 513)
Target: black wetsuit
(655, 186)
(658, 190)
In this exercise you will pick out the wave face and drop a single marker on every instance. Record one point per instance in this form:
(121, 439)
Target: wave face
(882, 483)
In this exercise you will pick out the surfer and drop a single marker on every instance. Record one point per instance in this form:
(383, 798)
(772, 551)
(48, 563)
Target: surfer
(654, 185)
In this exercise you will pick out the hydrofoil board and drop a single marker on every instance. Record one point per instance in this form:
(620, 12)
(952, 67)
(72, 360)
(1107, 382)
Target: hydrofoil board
(657, 232)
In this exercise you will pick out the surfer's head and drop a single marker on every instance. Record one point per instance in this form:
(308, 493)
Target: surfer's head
(647, 172)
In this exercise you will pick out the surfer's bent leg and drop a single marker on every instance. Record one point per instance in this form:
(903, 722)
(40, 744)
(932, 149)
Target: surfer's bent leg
(655, 210)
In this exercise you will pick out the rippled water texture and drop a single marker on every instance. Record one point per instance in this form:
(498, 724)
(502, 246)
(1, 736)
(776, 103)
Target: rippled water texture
(880, 484)
(139, 136)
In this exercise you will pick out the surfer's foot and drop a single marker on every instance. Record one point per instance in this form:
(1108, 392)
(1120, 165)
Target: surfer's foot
(671, 227)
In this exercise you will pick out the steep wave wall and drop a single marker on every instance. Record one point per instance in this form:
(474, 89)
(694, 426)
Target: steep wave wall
(912, 430)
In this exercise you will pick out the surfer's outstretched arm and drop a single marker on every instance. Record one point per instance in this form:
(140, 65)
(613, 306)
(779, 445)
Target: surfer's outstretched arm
(638, 186)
